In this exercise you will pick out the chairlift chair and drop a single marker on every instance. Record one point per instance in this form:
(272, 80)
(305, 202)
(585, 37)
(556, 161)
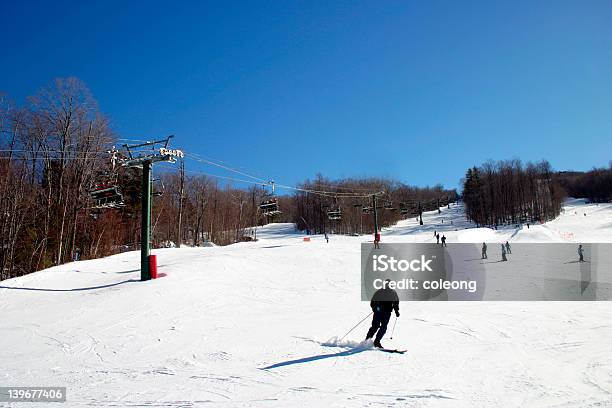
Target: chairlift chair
(335, 214)
(106, 195)
(269, 207)
(159, 193)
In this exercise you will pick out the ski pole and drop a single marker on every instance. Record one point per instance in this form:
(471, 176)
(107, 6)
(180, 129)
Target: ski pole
(393, 331)
(354, 327)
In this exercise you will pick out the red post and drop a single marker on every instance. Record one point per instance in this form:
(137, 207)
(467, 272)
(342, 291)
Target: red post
(153, 266)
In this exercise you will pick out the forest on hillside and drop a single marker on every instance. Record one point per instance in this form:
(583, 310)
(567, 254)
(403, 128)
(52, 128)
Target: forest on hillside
(596, 184)
(507, 192)
(347, 205)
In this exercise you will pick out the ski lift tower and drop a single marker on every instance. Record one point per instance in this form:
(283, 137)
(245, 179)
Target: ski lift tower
(375, 213)
(143, 156)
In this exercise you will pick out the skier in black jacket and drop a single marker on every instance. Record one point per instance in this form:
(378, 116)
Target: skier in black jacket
(383, 302)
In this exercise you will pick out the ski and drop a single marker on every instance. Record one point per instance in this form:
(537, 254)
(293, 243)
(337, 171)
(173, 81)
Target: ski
(392, 350)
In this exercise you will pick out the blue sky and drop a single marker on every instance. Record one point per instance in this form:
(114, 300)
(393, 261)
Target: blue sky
(414, 90)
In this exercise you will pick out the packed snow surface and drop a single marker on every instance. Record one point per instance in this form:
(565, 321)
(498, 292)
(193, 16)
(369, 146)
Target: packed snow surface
(263, 324)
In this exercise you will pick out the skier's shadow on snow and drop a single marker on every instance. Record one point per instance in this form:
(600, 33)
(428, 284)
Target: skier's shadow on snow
(573, 262)
(71, 290)
(274, 246)
(315, 358)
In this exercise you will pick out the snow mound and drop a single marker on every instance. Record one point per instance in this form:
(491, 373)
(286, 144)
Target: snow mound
(537, 233)
(477, 235)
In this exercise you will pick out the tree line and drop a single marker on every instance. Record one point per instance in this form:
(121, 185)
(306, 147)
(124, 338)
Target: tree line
(346, 206)
(596, 184)
(197, 210)
(50, 150)
(507, 192)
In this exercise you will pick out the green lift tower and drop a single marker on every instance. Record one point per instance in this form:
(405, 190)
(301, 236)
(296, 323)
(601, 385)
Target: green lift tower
(143, 156)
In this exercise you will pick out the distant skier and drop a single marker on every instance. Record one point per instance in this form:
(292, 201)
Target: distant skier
(527, 225)
(377, 240)
(438, 239)
(484, 251)
(326, 238)
(503, 253)
(383, 302)
(435, 233)
(443, 240)
(508, 249)
(580, 253)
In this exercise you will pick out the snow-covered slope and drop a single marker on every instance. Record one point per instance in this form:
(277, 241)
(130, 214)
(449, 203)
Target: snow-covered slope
(244, 325)
(579, 222)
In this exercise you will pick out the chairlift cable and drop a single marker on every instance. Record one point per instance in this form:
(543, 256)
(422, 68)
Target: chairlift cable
(311, 191)
(225, 177)
(195, 157)
(252, 174)
(264, 184)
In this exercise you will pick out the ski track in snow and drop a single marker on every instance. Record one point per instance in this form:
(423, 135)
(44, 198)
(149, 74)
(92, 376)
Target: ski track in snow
(259, 324)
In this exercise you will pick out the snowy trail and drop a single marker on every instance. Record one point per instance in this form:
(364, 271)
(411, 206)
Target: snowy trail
(250, 325)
